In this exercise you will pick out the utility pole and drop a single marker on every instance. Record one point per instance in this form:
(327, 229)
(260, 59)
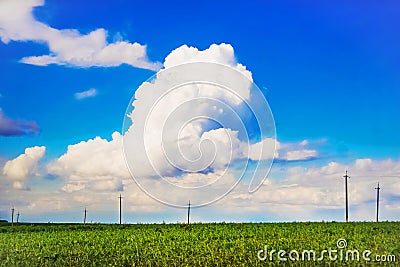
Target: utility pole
(120, 209)
(377, 202)
(12, 216)
(18, 217)
(84, 218)
(188, 215)
(347, 196)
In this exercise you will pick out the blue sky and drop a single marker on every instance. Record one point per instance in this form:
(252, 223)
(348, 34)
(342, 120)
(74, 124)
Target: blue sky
(329, 70)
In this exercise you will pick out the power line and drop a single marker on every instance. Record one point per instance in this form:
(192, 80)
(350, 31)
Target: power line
(120, 209)
(377, 202)
(84, 218)
(189, 212)
(346, 196)
(12, 216)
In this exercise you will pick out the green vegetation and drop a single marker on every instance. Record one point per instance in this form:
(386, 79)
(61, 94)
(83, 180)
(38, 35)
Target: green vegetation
(211, 244)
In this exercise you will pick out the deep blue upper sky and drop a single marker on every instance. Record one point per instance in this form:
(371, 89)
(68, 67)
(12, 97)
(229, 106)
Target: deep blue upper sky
(329, 69)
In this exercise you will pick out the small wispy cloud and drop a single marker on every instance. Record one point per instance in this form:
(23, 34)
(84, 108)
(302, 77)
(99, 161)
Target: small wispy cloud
(85, 94)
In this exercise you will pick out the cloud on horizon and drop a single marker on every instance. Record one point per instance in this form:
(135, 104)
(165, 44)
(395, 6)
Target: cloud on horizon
(303, 194)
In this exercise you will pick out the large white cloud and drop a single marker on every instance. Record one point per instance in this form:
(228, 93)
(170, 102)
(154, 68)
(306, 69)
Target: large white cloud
(191, 145)
(20, 168)
(67, 46)
(163, 114)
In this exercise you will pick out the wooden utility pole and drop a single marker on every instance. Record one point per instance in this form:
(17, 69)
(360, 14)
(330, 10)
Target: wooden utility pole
(188, 214)
(84, 217)
(120, 209)
(12, 216)
(377, 202)
(347, 196)
(18, 217)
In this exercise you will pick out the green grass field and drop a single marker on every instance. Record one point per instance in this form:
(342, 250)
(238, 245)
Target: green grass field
(211, 244)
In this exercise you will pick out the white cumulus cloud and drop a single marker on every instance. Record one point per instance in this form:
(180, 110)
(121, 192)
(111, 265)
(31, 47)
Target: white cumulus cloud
(20, 168)
(96, 164)
(67, 46)
(183, 140)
